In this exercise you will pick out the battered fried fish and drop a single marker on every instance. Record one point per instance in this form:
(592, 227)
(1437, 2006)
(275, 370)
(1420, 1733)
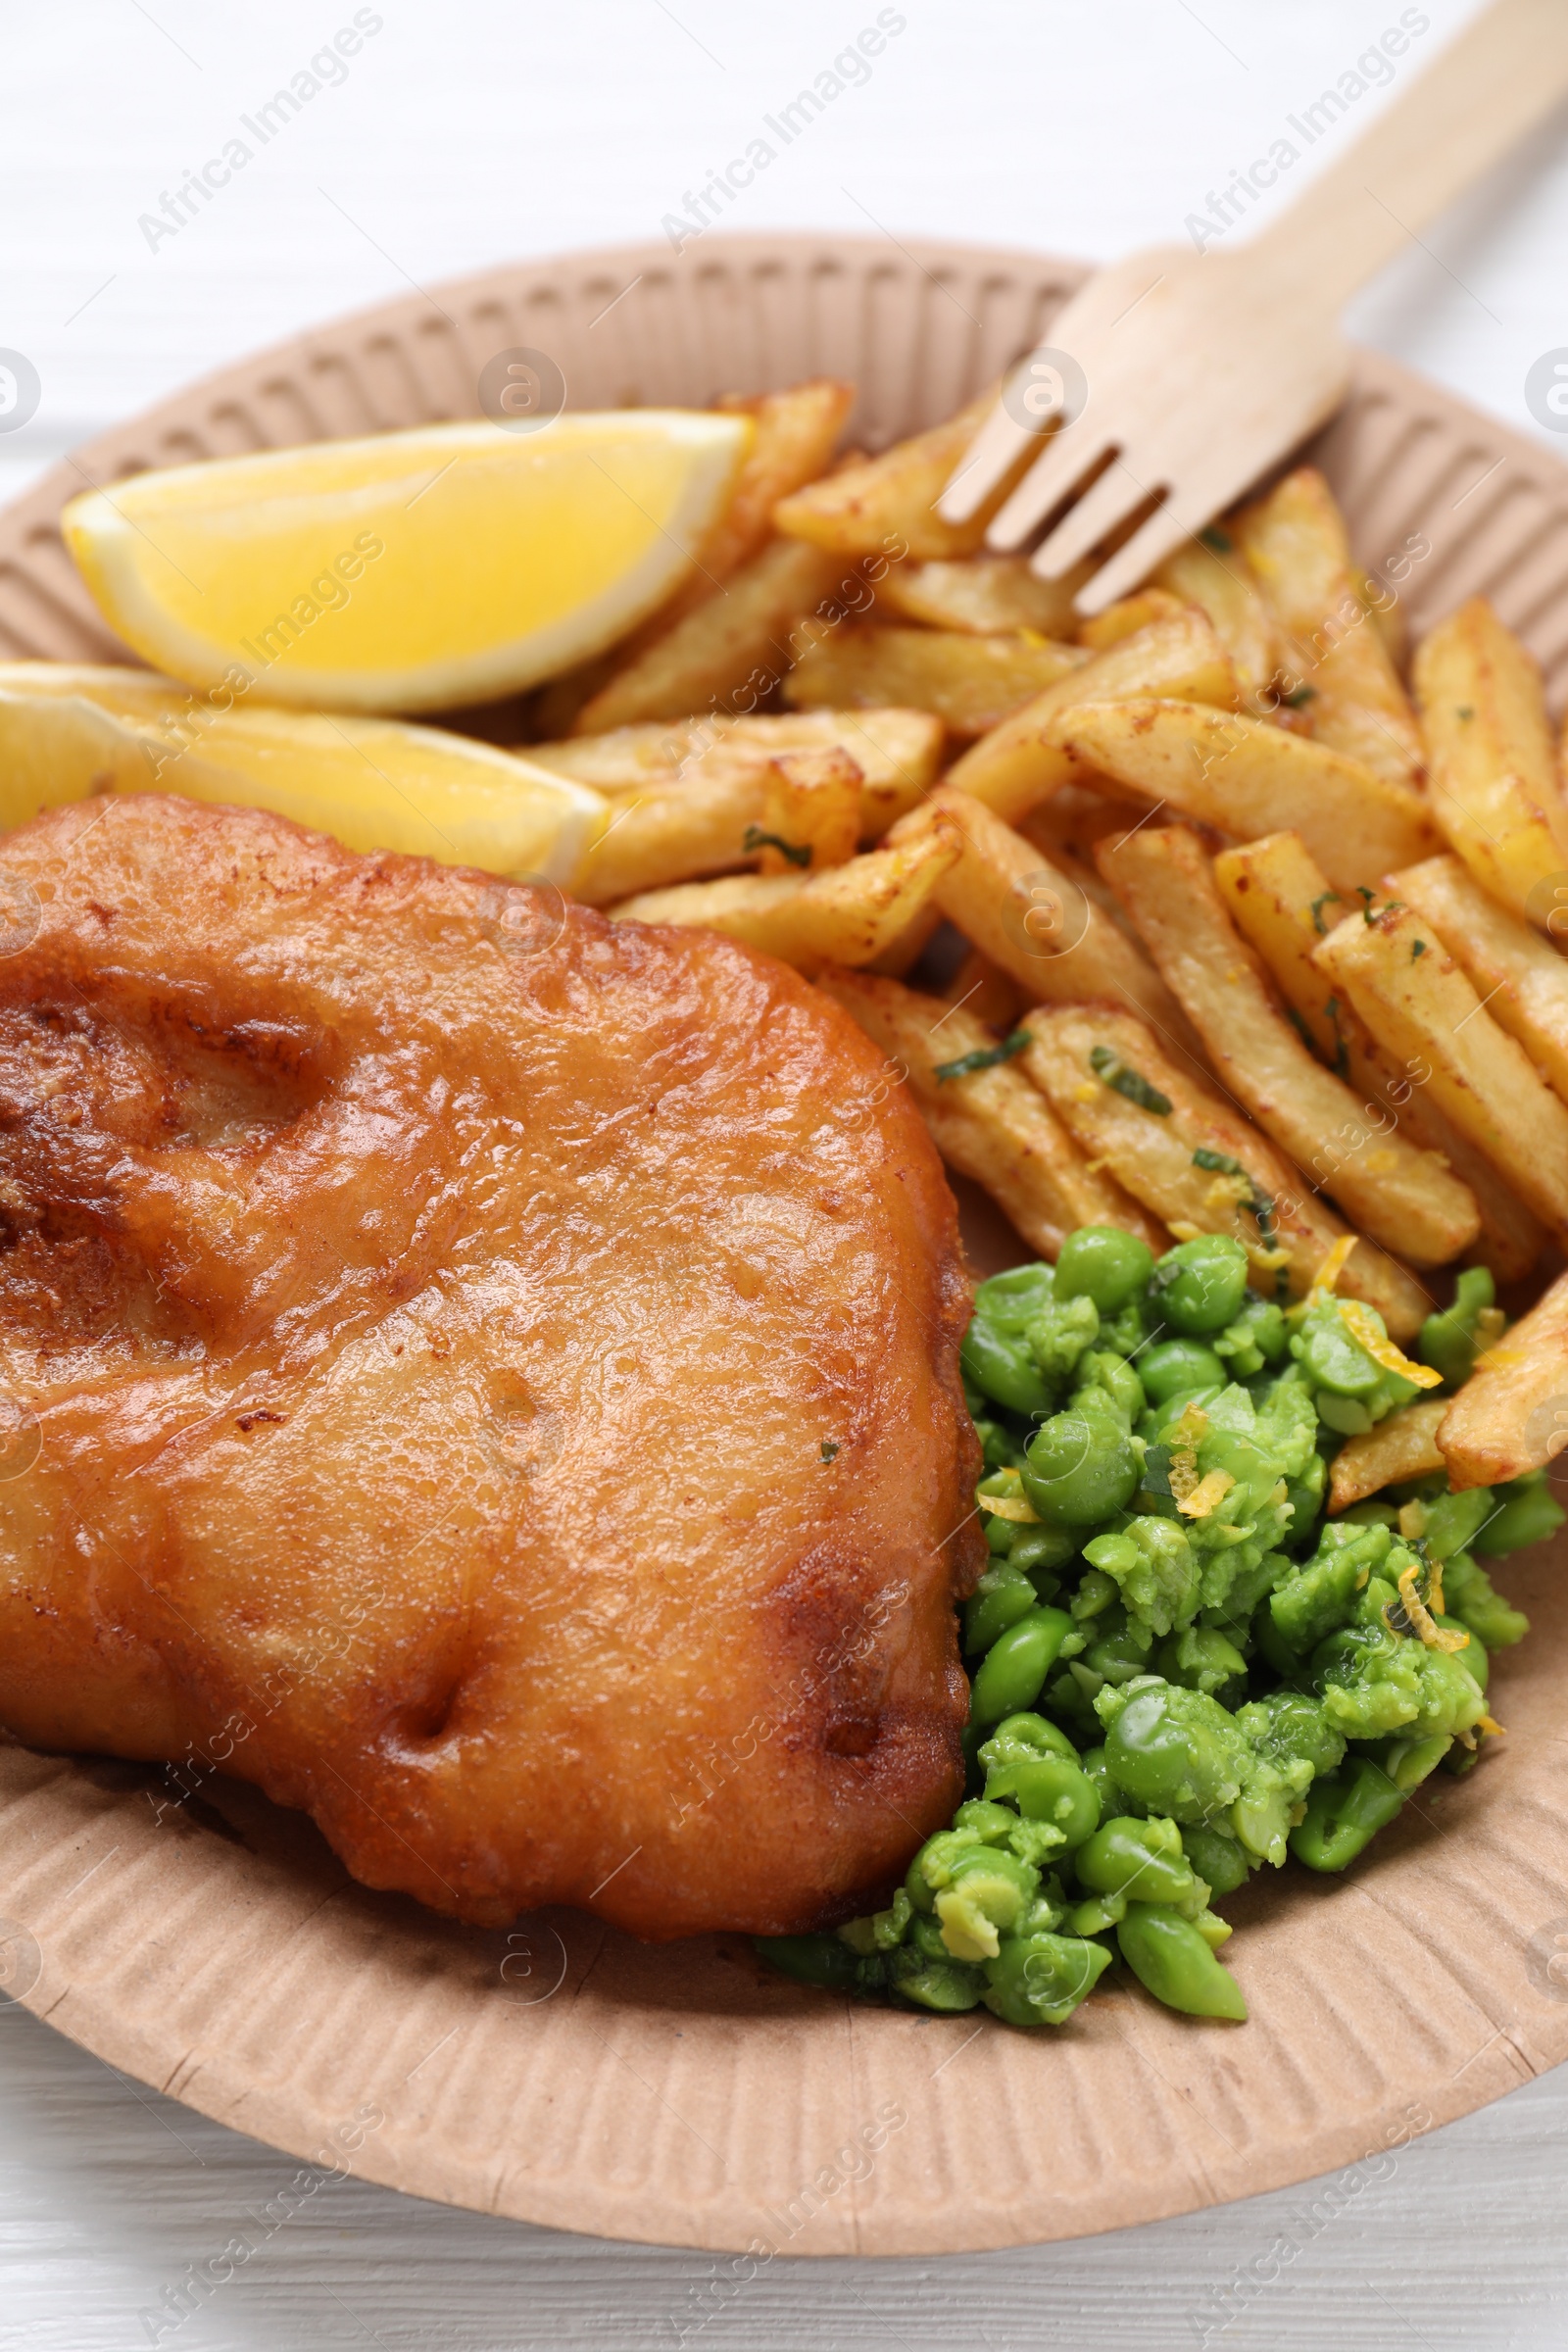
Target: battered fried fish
(486, 1376)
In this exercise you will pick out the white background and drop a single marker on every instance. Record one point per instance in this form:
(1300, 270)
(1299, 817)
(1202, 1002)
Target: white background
(472, 133)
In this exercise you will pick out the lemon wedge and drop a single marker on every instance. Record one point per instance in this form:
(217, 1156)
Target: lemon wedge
(68, 732)
(415, 572)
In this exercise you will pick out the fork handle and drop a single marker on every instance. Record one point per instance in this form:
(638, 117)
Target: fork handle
(1492, 84)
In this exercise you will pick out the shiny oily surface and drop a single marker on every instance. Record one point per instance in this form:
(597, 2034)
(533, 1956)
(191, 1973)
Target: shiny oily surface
(486, 1377)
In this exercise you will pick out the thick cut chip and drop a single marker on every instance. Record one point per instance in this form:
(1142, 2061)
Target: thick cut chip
(989, 1123)
(1511, 1415)
(1524, 982)
(1335, 657)
(1212, 574)
(1389, 1188)
(1245, 777)
(1033, 920)
(1404, 1444)
(1281, 902)
(496, 1369)
(855, 915)
(897, 752)
(1492, 770)
(1416, 1000)
(1020, 762)
(1196, 1163)
(970, 683)
(987, 595)
(729, 654)
(886, 506)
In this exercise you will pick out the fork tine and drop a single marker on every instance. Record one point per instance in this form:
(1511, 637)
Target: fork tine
(988, 461)
(1061, 465)
(1110, 500)
(1160, 536)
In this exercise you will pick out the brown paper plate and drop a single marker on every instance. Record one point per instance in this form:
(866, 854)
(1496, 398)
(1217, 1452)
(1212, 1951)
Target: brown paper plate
(564, 2073)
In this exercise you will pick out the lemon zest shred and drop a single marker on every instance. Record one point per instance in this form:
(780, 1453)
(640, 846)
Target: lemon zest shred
(1333, 1266)
(1488, 1723)
(1435, 1636)
(1011, 1502)
(1206, 1497)
(1365, 1329)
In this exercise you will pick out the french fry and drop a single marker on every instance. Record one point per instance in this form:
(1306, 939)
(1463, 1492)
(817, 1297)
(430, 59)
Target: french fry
(970, 683)
(736, 644)
(989, 596)
(1296, 541)
(1018, 764)
(1027, 915)
(1128, 615)
(1393, 1191)
(1280, 900)
(897, 752)
(1388, 613)
(907, 950)
(796, 434)
(1211, 573)
(671, 834)
(992, 1124)
(811, 813)
(1416, 1000)
(886, 506)
(1490, 771)
(1523, 983)
(1067, 827)
(1089, 1062)
(1403, 1446)
(849, 914)
(1245, 777)
(985, 991)
(1511, 1415)
(723, 816)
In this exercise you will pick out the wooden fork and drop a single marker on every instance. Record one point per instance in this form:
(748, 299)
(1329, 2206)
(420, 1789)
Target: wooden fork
(1186, 375)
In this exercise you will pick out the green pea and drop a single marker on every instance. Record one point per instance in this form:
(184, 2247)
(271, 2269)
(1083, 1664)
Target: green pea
(825, 1961)
(1343, 1814)
(1003, 1369)
(1040, 1979)
(1052, 1790)
(1113, 1798)
(1039, 1550)
(998, 1600)
(1161, 1749)
(1449, 1338)
(988, 1892)
(1141, 1861)
(1013, 1669)
(1103, 1263)
(1219, 1861)
(1527, 1515)
(1021, 1738)
(1452, 1520)
(1007, 1302)
(1173, 1365)
(1474, 1657)
(1080, 1468)
(1172, 1960)
(1332, 1361)
(1113, 1377)
(1202, 1660)
(1199, 1285)
(949, 1986)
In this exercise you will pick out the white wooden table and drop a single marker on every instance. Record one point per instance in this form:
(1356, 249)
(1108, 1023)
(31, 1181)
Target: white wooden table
(460, 137)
